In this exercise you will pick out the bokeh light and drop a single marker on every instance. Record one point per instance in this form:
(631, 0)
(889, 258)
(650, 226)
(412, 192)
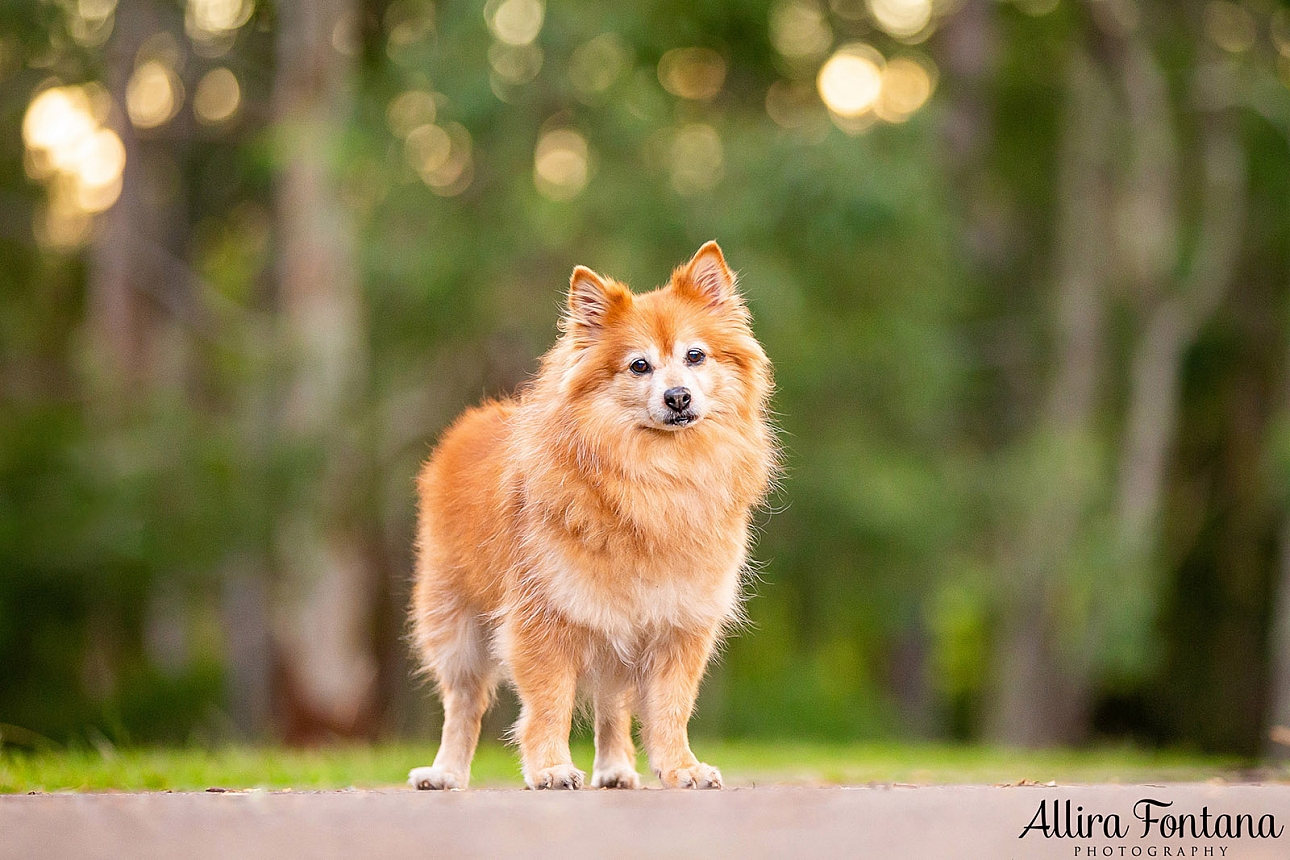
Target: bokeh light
(410, 109)
(213, 25)
(692, 73)
(799, 29)
(61, 224)
(794, 105)
(56, 121)
(1230, 26)
(696, 159)
(407, 23)
(441, 156)
(94, 198)
(347, 34)
(90, 22)
(561, 164)
(515, 22)
(99, 162)
(217, 97)
(595, 66)
(1279, 29)
(427, 149)
(903, 19)
(907, 84)
(80, 162)
(95, 10)
(514, 64)
(153, 95)
(851, 80)
(214, 20)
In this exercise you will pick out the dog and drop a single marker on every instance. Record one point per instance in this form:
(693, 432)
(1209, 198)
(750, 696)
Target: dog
(591, 533)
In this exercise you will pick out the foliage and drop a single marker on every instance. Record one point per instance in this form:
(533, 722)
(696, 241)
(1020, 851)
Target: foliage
(902, 284)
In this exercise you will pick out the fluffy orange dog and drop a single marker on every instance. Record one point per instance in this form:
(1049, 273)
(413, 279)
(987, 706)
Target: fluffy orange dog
(592, 531)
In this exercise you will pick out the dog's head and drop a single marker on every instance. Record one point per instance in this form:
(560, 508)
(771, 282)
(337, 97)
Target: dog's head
(667, 360)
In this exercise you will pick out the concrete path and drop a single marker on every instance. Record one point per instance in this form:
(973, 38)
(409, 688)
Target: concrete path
(875, 821)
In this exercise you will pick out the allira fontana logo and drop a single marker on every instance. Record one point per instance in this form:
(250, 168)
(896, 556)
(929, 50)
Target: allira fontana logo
(1148, 819)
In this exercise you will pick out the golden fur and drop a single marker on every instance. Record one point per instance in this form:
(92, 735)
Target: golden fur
(587, 534)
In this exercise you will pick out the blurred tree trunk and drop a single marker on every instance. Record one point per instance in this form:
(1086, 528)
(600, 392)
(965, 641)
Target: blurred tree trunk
(134, 294)
(1277, 742)
(969, 45)
(1081, 601)
(329, 588)
(1149, 242)
(1040, 690)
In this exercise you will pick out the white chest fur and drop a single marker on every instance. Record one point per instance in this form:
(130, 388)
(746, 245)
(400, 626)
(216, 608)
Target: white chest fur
(625, 606)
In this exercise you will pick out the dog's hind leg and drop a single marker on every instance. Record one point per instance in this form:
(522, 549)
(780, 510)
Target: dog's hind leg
(544, 663)
(615, 765)
(467, 676)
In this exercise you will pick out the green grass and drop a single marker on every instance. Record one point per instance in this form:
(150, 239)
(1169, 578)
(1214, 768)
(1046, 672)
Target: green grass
(743, 763)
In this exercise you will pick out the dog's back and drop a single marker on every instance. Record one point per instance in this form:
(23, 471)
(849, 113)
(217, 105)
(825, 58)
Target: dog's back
(464, 535)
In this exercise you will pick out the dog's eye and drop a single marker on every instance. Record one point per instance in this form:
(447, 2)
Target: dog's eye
(695, 356)
(639, 367)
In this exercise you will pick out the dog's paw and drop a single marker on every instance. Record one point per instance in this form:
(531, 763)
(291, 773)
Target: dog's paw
(616, 776)
(436, 779)
(559, 776)
(697, 775)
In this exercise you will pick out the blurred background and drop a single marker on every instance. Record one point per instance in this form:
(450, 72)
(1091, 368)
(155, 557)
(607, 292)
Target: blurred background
(1022, 267)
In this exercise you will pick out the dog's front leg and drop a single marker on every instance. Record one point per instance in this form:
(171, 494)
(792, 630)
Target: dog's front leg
(545, 662)
(668, 687)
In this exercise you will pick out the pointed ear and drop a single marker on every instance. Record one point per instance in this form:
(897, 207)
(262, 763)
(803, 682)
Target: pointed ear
(708, 276)
(592, 299)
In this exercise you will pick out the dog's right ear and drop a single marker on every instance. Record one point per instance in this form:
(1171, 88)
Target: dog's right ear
(593, 300)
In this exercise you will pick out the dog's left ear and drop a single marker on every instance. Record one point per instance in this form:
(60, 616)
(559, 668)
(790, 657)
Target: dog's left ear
(708, 275)
(593, 300)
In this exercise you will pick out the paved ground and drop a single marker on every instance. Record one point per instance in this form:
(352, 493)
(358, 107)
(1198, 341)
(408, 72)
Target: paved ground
(882, 822)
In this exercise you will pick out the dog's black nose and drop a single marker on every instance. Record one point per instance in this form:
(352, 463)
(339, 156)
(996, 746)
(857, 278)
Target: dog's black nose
(677, 399)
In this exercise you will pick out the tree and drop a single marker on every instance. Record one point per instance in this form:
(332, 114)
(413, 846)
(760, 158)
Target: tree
(1084, 571)
(329, 587)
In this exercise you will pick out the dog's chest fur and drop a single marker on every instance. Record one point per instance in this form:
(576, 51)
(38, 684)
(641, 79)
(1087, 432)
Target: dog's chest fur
(627, 556)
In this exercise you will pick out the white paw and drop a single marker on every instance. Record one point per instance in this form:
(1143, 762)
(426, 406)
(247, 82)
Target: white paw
(698, 775)
(559, 776)
(615, 776)
(436, 779)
